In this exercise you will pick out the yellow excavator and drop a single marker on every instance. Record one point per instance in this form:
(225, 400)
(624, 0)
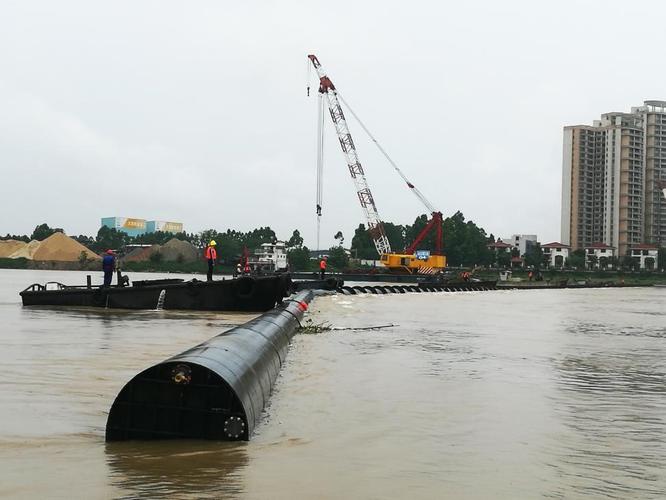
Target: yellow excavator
(411, 260)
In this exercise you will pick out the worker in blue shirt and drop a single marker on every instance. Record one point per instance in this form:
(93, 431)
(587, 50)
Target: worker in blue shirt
(108, 265)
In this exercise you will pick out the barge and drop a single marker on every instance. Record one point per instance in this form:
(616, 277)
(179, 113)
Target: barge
(251, 294)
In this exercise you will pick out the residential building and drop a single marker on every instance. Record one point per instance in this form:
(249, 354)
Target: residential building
(611, 176)
(137, 227)
(152, 226)
(130, 226)
(522, 242)
(603, 256)
(555, 253)
(647, 255)
(499, 246)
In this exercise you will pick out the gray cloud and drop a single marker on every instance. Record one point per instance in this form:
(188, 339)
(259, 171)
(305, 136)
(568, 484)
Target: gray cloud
(196, 111)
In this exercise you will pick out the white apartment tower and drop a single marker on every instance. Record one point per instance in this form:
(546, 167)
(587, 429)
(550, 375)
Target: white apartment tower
(611, 173)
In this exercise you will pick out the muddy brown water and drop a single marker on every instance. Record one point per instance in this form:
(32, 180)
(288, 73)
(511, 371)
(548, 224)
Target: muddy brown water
(503, 394)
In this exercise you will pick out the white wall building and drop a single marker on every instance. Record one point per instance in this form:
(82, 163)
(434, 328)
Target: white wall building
(270, 257)
(645, 254)
(520, 241)
(557, 253)
(603, 254)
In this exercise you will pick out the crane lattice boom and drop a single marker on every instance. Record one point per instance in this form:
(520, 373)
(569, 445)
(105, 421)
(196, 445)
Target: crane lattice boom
(375, 226)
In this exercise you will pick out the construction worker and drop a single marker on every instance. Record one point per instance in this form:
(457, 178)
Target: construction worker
(211, 257)
(322, 266)
(239, 269)
(108, 266)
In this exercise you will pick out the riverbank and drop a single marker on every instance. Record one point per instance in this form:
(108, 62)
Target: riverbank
(520, 278)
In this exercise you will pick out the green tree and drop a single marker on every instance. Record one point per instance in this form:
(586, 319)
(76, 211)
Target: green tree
(43, 231)
(86, 241)
(17, 237)
(413, 231)
(299, 258)
(396, 236)
(206, 236)
(230, 246)
(465, 243)
(108, 237)
(337, 258)
(256, 237)
(576, 260)
(157, 238)
(503, 259)
(296, 240)
(534, 255)
(83, 259)
(156, 257)
(362, 246)
(630, 263)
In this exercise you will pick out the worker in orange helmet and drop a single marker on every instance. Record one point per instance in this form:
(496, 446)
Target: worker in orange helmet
(211, 257)
(322, 266)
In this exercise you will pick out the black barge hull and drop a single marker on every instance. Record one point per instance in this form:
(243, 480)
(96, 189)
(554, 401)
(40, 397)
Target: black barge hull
(245, 294)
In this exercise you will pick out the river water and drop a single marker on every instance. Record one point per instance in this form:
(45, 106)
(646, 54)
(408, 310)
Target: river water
(502, 394)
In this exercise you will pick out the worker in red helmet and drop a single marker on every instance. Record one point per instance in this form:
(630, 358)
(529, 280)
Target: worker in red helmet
(108, 266)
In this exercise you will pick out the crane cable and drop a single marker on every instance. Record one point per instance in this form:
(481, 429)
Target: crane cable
(320, 162)
(411, 186)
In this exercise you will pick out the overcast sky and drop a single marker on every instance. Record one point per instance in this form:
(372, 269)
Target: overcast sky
(197, 111)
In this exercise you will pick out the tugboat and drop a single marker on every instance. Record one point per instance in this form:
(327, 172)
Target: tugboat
(251, 294)
(268, 258)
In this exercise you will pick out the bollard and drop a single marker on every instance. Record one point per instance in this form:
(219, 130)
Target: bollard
(215, 390)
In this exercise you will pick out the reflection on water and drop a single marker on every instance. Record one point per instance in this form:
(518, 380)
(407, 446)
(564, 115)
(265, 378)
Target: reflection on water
(612, 403)
(182, 469)
(505, 394)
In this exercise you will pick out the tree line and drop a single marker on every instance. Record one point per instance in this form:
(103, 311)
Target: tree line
(465, 243)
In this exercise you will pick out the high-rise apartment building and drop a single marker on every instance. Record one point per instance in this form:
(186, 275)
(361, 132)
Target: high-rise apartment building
(611, 173)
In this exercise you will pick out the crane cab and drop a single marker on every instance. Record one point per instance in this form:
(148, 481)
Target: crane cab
(419, 263)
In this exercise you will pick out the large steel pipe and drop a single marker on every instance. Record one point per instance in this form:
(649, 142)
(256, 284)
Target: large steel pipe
(215, 390)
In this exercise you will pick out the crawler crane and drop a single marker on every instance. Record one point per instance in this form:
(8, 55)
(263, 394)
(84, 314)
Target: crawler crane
(412, 260)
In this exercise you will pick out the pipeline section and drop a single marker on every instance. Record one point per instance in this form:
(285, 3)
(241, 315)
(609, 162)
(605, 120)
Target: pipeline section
(215, 390)
(420, 288)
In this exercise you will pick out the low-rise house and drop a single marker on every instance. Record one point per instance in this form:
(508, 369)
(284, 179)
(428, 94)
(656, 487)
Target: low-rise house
(647, 255)
(599, 256)
(499, 248)
(555, 253)
(499, 245)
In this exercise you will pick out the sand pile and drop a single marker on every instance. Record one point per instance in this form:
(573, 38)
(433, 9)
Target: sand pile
(8, 247)
(27, 251)
(174, 248)
(61, 247)
(141, 254)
